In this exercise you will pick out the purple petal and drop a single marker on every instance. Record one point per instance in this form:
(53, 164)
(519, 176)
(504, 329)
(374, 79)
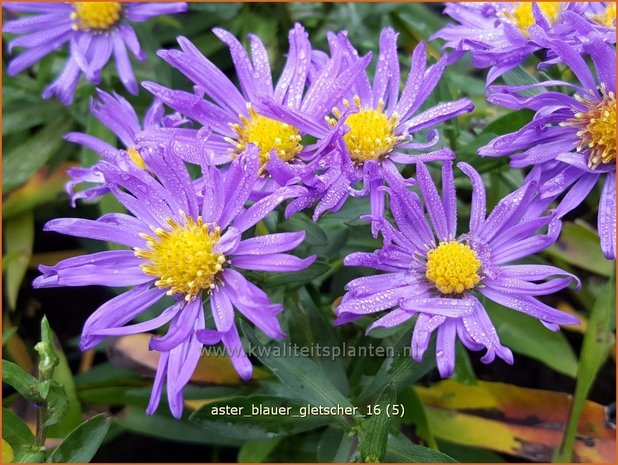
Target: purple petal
(607, 217)
(276, 262)
(123, 64)
(445, 347)
(530, 306)
(222, 310)
(181, 326)
(271, 243)
(452, 308)
(237, 354)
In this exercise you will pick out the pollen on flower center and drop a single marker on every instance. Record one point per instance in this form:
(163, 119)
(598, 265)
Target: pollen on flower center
(607, 18)
(523, 17)
(96, 15)
(371, 133)
(267, 134)
(136, 157)
(453, 267)
(597, 129)
(183, 257)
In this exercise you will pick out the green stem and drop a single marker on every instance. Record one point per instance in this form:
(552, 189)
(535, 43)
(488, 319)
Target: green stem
(41, 429)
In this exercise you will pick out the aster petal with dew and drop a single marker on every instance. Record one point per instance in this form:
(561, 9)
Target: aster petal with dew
(497, 33)
(95, 31)
(375, 125)
(117, 114)
(184, 244)
(431, 272)
(232, 112)
(572, 137)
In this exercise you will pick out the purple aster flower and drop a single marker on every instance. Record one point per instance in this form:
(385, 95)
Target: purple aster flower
(572, 137)
(184, 244)
(117, 114)
(233, 115)
(440, 277)
(497, 33)
(94, 30)
(375, 126)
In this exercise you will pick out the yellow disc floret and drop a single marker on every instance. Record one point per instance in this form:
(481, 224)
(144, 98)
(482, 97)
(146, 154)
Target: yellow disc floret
(136, 157)
(371, 134)
(607, 18)
(96, 15)
(182, 257)
(267, 134)
(453, 267)
(597, 129)
(523, 17)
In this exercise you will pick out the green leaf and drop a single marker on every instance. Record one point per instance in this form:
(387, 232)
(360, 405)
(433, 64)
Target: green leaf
(6, 335)
(48, 359)
(598, 339)
(305, 378)
(164, 426)
(25, 159)
(527, 336)
(25, 115)
(401, 449)
(63, 376)
(399, 369)
(336, 446)
(57, 401)
(15, 431)
(520, 77)
(23, 382)
(257, 451)
(317, 269)
(241, 417)
(83, 442)
(314, 235)
(19, 239)
(415, 414)
(374, 436)
(579, 245)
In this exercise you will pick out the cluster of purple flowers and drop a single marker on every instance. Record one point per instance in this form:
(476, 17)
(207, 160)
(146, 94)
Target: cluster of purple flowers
(320, 133)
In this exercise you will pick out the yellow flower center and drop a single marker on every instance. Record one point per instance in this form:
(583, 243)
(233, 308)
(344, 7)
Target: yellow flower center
(453, 267)
(372, 133)
(267, 134)
(182, 257)
(136, 157)
(522, 16)
(96, 15)
(597, 129)
(607, 18)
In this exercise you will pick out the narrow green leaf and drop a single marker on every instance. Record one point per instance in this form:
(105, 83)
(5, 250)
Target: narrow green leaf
(25, 159)
(305, 378)
(374, 435)
(15, 430)
(336, 446)
(6, 335)
(83, 442)
(579, 245)
(23, 382)
(414, 413)
(19, 239)
(527, 336)
(257, 451)
(399, 369)
(57, 401)
(401, 449)
(256, 417)
(314, 235)
(598, 339)
(63, 376)
(163, 425)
